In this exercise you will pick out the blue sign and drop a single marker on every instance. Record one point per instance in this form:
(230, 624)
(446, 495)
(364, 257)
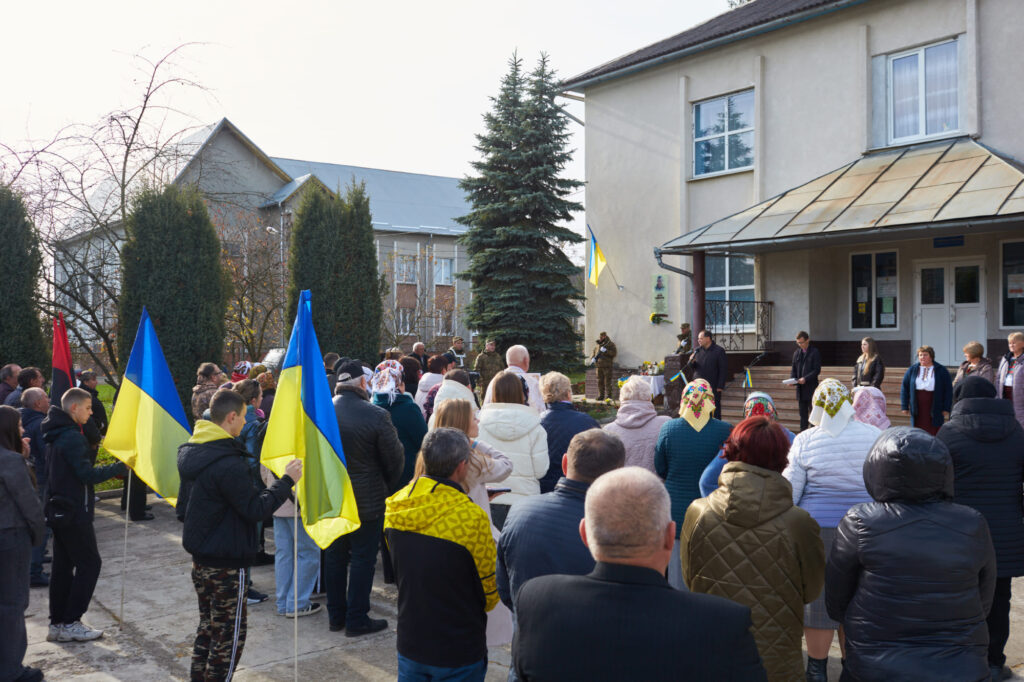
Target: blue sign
(947, 242)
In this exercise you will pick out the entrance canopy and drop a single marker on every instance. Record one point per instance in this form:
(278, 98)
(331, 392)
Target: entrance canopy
(958, 183)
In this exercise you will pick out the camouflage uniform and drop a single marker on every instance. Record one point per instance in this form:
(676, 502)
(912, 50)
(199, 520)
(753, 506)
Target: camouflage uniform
(221, 593)
(488, 364)
(605, 362)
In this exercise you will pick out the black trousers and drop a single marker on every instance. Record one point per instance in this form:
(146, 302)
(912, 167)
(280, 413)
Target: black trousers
(718, 404)
(75, 570)
(805, 413)
(138, 497)
(999, 622)
(16, 549)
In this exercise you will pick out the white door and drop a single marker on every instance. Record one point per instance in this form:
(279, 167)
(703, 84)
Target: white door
(950, 307)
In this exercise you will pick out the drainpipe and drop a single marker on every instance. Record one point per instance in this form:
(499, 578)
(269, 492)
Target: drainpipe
(697, 284)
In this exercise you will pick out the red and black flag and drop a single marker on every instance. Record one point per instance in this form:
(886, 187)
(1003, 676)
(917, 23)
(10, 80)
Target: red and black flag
(63, 372)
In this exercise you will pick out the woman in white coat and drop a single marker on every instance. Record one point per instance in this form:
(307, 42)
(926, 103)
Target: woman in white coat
(513, 427)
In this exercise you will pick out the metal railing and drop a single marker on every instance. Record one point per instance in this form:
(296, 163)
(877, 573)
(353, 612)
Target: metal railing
(740, 325)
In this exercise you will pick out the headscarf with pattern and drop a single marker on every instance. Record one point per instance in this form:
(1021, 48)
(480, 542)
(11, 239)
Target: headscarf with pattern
(869, 407)
(833, 407)
(386, 378)
(697, 404)
(759, 404)
(241, 371)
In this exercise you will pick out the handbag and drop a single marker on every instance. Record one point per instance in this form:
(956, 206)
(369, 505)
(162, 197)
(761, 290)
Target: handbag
(59, 511)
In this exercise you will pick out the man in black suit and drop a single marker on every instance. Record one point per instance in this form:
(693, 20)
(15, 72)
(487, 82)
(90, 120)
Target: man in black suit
(806, 367)
(710, 364)
(624, 621)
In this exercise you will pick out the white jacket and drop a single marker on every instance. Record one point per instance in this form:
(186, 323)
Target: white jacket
(427, 382)
(448, 391)
(516, 431)
(827, 473)
(497, 468)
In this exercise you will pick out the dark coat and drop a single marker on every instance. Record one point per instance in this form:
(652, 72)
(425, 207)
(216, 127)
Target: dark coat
(874, 375)
(942, 400)
(626, 623)
(987, 446)
(711, 365)
(806, 366)
(541, 536)
(267, 404)
(408, 421)
(19, 504)
(374, 457)
(911, 575)
(98, 421)
(70, 464)
(32, 422)
(561, 422)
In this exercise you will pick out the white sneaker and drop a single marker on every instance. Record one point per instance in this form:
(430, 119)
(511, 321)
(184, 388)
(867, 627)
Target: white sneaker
(54, 634)
(314, 607)
(79, 632)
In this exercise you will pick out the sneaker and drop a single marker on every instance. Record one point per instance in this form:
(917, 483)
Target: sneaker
(41, 580)
(314, 607)
(373, 625)
(79, 632)
(54, 634)
(254, 596)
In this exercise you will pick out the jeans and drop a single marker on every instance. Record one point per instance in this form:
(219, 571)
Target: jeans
(351, 561)
(999, 622)
(411, 671)
(284, 565)
(75, 570)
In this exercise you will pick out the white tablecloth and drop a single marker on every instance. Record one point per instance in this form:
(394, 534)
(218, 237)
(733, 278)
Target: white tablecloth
(657, 383)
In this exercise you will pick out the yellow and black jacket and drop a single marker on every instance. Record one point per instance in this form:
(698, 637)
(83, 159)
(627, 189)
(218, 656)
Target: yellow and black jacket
(444, 557)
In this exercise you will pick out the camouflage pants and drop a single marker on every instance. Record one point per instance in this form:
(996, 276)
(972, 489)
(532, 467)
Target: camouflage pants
(604, 382)
(221, 632)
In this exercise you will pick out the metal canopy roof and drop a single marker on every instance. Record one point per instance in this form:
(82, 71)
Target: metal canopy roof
(891, 190)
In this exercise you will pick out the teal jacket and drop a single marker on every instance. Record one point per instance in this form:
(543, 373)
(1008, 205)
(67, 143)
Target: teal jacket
(411, 426)
(680, 457)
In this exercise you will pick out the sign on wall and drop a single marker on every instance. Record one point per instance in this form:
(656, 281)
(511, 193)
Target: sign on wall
(659, 295)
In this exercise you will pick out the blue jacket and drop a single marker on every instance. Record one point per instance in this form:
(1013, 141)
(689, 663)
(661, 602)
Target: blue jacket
(408, 420)
(561, 422)
(541, 536)
(32, 422)
(709, 479)
(250, 439)
(942, 400)
(680, 456)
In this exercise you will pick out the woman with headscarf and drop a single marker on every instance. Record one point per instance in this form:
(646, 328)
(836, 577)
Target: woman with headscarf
(758, 404)
(685, 447)
(987, 447)
(825, 470)
(388, 390)
(869, 407)
(927, 392)
(869, 370)
(240, 372)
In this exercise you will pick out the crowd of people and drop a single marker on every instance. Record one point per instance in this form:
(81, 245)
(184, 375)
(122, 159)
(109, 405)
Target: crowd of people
(654, 547)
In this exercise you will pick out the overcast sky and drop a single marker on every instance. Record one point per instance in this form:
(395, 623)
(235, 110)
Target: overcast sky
(399, 85)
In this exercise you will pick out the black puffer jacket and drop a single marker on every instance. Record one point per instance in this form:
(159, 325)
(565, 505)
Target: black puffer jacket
(374, 455)
(219, 502)
(911, 575)
(987, 446)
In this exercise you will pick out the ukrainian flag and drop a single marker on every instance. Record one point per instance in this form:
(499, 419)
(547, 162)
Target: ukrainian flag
(596, 262)
(303, 425)
(149, 422)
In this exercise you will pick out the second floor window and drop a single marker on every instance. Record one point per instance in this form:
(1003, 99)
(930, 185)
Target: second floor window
(723, 134)
(443, 270)
(405, 269)
(923, 92)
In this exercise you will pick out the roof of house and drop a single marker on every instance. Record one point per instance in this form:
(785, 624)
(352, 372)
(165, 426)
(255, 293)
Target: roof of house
(758, 16)
(949, 181)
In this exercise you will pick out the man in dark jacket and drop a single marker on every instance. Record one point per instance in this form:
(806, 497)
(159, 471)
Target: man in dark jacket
(222, 508)
(911, 575)
(8, 380)
(570, 627)
(37, 403)
(71, 475)
(541, 535)
(30, 377)
(375, 458)
(987, 447)
(419, 351)
(561, 421)
(806, 367)
(710, 364)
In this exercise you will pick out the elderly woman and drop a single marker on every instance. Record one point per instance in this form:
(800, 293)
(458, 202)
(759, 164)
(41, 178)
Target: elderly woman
(1010, 382)
(869, 370)
(975, 364)
(748, 543)
(561, 421)
(684, 448)
(388, 389)
(869, 407)
(758, 404)
(927, 392)
(825, 464)
(637, 423)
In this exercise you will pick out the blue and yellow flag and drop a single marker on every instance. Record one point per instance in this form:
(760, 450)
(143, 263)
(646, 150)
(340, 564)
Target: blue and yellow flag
(596, 261)
(303, 425)
(149, 422)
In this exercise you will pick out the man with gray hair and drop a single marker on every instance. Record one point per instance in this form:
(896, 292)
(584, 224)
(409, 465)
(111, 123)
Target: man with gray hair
(8, 380)
(443, 553)
(659, 633)
(518, 360)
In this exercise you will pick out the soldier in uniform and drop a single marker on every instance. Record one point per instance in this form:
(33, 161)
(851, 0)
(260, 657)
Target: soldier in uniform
(604, 356)
(488, 364)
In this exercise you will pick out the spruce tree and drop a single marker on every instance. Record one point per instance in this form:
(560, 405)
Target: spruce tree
(520, 277)
(21, 334)
(170, 263)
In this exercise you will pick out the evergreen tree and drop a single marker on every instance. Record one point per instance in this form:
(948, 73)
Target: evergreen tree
(332, 254)
(520, 277)
(170, 263)
(21, 334)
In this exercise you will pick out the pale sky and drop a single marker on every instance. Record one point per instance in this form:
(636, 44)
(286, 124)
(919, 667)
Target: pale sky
(398, 85)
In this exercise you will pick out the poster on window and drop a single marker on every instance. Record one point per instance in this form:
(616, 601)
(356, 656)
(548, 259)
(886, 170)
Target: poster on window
(886, 287)
(659, 295)
(1015, 285)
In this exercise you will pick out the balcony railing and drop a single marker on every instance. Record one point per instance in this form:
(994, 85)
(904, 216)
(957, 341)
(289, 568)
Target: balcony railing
(740, 325)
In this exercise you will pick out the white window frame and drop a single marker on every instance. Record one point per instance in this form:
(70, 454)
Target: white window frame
(922, 118)
(729, 288)
(404, 320)
(439, 274)
(725, 134)
(1002, 288)
(441, 329)
(406, 266)
(874, 285)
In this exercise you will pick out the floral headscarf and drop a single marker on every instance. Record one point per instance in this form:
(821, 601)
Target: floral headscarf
(759, 404)
(241, 371)
(833, 407)
(698, 403)
(386, 378)
(869, 407)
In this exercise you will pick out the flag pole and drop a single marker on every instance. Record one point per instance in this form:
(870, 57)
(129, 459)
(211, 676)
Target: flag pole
(606, 264)
(295, 588)
(124, 555)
